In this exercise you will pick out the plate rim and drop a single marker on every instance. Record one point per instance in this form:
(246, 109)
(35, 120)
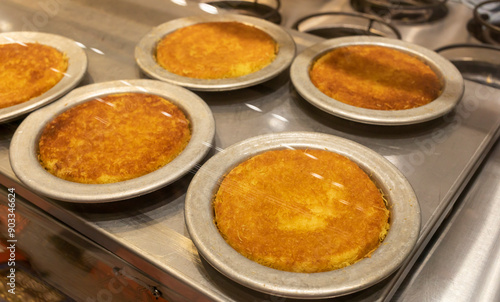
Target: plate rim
(452, 93)
(24, 144)
(144, 53)
(77, 67)
(405, 220)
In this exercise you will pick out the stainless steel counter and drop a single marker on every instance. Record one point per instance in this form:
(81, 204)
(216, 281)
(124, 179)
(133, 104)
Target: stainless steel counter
(438, 157)
(461, 263)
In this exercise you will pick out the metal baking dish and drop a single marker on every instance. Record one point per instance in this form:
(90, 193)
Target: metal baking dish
(453, 84)
(145, 54)
(77, 66)
(402, 236)
(24, 144)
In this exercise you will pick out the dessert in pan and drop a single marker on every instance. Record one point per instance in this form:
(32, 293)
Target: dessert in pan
(36, 69)
(112, 141)
(113, 138)
(302, 215)
(28, 70)
(215, 52)
(375, 77)
(377, 80)
(323, 209)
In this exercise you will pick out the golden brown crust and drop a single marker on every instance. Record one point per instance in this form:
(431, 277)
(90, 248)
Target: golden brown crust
(375, 77)
(216, 50)
(28, 70)
(114, 138)
(301, 210)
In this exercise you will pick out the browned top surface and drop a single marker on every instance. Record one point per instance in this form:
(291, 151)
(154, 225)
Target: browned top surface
(27, 71)
(301, 210)
(375, 77)
(216, 50)
(114, 138)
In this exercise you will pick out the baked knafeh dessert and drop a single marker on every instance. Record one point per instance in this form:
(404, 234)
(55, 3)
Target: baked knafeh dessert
(28, 70)
(375, 77)
(216, 50)
(301, 211)
(113, 138)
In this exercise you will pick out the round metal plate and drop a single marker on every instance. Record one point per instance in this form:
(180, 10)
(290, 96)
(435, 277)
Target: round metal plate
(24, 144)
(145, 54)
(453, 84)
(77, 66)
(402, 236)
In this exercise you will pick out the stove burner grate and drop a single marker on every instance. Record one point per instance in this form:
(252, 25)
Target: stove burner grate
(342, 24)
(485, 25)
(267, 10)
(476, 62)
(403, 11)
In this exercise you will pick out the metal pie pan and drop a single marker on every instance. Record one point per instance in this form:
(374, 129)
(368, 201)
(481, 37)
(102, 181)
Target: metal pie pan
(24, 144)
(77, 66)
(402, 236)
(453, 84)
(145, 54)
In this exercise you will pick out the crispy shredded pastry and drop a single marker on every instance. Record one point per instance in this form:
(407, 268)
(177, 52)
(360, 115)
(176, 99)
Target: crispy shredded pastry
(113, 138)
(216, 50)
(375, 77)
(28, 70)
(301, 211)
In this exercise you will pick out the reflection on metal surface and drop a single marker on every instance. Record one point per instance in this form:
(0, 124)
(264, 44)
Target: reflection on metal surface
(279, 117)
(208, 8)
(80, 44)
(253, 107)
(54, 263)
(97, 50)
(267, 10)
(179, 2)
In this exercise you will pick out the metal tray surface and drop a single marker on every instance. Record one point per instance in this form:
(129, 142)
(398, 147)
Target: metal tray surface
(24, 144)
(402, 236)
(145, 54)
(77, 66)
(453, 84)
